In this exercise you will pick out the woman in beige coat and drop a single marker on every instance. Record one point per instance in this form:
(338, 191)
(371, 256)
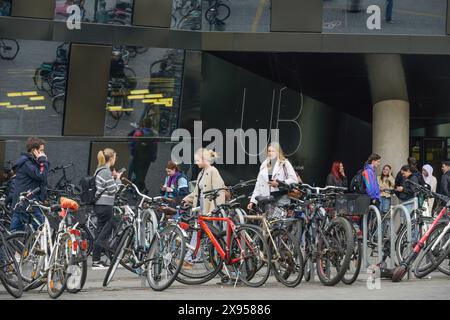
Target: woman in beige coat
(208, 179)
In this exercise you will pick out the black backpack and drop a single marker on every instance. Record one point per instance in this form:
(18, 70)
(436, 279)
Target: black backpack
(357, 184)
(89, 189)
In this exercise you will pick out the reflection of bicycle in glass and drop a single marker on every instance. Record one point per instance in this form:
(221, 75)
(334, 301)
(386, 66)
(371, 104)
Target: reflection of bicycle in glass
(217, 13)
(118, 104)
(332, 24)
(190, 12)
(9, 48)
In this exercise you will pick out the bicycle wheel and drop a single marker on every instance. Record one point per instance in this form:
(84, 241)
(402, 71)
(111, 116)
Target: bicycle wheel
(9, 48)
(218, 13)
(165, 258)
(335, 247)
(58, 103)
(401, 243)
(57, 274)
(31, 261)
(77, 270)
(124, 243)
(252, 254)
(9, 269)
(201, 262)
(86, 235)
(429, 260)
(287, 258)
(354, 266)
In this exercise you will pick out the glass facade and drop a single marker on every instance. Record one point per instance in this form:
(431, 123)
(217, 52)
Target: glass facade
(391, 16)
(33, 86)
(144, 91)
(5, 7)
(221, 15)
(99, 11)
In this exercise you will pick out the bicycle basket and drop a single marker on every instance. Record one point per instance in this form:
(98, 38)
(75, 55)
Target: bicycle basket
(351, 204)
(274, 212)
(80, 216)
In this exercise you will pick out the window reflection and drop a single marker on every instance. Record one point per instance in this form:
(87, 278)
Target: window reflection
(33, 88)
(221, 15)
(99, 11)
(396, 16)
(5, 7)
(143, 91)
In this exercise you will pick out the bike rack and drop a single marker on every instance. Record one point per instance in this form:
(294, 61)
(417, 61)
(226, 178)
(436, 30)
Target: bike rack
(379, 234)
(394, 211)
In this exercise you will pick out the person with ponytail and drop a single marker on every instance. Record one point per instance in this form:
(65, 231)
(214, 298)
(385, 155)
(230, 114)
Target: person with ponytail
(107, 182)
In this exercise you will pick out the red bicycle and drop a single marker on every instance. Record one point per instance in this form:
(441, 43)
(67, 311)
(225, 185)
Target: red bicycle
(400, 271)
(217, 244)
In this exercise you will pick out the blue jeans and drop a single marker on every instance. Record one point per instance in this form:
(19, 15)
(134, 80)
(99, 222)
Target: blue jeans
(385, 204)
(389, 7)
(19, 219)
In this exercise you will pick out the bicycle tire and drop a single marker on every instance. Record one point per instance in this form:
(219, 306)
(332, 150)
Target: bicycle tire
(357, 259)
(346, 244)
(400, 242)
(83, 268)
(61, 256)
(436, 257)
(86, 235)
(258, 248)
(27, 241)
(118, 254)
(295, 263)
(15, 49)
(212, 18)
(58, 103)
(14, 287)
(157, 255)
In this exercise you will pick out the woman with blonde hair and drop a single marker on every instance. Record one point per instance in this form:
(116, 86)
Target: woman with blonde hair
(208, 179)
(107, 182)
(275, 167)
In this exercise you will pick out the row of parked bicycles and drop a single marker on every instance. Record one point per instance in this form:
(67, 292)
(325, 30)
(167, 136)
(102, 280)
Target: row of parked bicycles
(163, 242)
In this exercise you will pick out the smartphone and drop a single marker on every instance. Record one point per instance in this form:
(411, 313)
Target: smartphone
(122, 170)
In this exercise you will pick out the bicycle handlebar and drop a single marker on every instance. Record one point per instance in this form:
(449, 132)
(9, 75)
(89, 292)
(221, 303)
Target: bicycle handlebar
(150, 199)
(63, 167)
(429, 192)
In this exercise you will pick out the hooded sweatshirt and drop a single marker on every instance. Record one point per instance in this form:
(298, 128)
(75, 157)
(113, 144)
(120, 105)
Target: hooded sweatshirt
(430, 180)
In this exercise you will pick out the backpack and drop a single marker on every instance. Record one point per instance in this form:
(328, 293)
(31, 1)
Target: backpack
(357, 184)
(88, 189)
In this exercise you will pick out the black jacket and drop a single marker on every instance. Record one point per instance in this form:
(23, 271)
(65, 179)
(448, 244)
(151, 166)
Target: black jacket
(30, 174)
(445, 184)
(408, 189)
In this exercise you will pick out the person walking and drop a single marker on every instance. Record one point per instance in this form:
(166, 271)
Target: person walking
(275, 167)
(386, 181)
(31, 173)
(337, 177)
(107, 182)
(427, 173)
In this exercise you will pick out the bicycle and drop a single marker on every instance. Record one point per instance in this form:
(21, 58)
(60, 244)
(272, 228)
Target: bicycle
(244, 253)
(400, 271)
(10, 276)
(9, 48)
(217, 13)
(143, 246)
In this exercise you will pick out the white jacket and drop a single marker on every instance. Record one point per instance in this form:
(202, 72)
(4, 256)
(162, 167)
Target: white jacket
(283, 171)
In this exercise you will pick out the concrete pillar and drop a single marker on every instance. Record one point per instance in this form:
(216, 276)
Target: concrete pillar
(390, 121)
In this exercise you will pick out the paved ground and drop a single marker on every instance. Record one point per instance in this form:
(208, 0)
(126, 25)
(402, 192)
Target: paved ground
(127, 286)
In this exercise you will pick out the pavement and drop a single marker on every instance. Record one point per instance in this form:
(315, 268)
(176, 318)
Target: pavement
(127, 286)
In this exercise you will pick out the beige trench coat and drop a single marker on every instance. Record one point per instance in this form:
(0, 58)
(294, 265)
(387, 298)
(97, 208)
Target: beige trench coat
(211, 180)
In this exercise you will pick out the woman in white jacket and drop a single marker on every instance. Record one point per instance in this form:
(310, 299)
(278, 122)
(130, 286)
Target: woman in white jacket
(275, 167)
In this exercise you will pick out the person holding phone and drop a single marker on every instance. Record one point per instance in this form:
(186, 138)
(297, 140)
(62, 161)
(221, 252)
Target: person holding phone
(107, 183)
(275, 168)
(31, 173)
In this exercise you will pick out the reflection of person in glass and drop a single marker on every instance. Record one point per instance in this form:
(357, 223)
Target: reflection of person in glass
(143, 151)
(389, 7)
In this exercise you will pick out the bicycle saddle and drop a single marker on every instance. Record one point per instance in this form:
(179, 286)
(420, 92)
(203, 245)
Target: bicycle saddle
(264, 200)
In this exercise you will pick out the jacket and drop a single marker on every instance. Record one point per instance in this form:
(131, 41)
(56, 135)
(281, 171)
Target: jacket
(408, 189)
(371, 182)
(335, 182)
(106, 186)
(282, 170)
(387, 183)
(211, 179)
(31, 173)
(179, 185)
(445, 184)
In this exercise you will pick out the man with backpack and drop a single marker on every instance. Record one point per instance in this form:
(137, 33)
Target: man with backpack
(366, 182)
